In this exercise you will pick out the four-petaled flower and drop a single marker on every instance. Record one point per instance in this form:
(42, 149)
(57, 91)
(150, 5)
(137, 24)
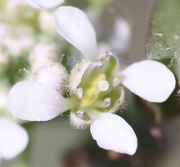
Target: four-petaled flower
(94, 91)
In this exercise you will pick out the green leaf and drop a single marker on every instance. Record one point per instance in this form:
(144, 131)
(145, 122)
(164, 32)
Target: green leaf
(163, 40)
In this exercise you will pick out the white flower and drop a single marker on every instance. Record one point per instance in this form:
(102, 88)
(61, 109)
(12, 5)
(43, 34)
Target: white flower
(13, 138)
(93, 85)
(18, 41)
(44, 4)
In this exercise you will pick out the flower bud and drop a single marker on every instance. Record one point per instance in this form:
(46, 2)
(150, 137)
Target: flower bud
(54, 75)
(42, 54)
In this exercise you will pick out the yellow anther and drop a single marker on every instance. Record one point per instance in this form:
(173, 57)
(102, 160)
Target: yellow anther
(103, 85)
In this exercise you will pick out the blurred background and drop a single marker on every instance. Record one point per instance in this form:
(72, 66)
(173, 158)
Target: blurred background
(27, 37)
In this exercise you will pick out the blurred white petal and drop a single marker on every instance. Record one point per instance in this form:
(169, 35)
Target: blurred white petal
(122, 36)
(33, 101)
(150, 80)
(44, 4)
(111, 132)
(13, 139)
(18, 41)
(75, 27)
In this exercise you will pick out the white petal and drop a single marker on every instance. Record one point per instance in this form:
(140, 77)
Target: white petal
(13, 139)
(75, 27)
(33, 101)
(111, 132)
(44, 4)
(150, 80)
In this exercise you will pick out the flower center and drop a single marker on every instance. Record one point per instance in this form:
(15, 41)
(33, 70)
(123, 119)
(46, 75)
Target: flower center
(98, 91)
(92, 92)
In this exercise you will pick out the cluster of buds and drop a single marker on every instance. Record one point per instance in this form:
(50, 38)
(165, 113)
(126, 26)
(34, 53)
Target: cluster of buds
(15, 46)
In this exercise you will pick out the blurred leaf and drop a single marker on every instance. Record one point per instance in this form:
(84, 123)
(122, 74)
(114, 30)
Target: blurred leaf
(98, 4)
(163, 41)
(163, 44)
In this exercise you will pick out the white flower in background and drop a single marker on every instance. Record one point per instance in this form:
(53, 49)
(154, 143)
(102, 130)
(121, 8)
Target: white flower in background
(13, 138)
(15, 10)
(44, 18)
(18, 41)
(14, 6)
(3, 30)
(93, 92)
(44, 4)
(42, 54)
(121, 37)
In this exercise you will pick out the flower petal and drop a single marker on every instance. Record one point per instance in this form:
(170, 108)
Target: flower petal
(44, 4)
(75, 27)
(33, 101)
(111, 132)
(150, 80)
(13, 140)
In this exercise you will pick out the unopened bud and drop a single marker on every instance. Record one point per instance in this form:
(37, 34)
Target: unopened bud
(54, 75)
(42, 54)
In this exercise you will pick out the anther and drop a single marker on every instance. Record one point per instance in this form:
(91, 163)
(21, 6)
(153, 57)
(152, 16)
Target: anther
(107, 102)
(103, 85)
(80, 114)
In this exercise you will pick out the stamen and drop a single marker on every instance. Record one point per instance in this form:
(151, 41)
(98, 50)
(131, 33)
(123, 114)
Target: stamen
(80, 114)
(107, 102)
(103, 85)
